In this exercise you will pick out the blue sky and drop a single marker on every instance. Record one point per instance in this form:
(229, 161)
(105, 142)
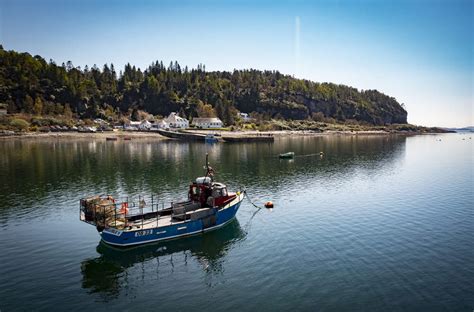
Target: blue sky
(420, 52)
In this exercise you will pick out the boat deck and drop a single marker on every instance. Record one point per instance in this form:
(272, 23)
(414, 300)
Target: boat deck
(141, 224)
(150, 223)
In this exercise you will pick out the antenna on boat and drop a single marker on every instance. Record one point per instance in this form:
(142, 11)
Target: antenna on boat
(209, 170)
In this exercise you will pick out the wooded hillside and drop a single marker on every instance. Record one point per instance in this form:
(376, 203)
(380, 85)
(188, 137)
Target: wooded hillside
(29, 84)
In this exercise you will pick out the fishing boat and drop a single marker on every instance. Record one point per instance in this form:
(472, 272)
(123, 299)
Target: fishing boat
(288, 155)
(126, 223)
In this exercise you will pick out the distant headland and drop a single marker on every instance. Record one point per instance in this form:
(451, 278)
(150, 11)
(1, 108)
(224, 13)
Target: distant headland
(35, 94)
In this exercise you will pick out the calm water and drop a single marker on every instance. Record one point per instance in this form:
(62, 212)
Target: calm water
(379, 223)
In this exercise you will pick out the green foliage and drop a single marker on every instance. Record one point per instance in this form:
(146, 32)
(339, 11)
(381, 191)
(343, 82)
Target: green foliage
(49, 121)
(19, 124)
(204, 110)
(38, 107)
(159, 90)
(67, 111)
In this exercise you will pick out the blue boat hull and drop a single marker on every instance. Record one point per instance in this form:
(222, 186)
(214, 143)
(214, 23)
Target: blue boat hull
(190, 227)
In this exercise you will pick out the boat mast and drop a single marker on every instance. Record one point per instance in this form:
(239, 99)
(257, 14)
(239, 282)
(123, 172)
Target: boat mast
(209, 170)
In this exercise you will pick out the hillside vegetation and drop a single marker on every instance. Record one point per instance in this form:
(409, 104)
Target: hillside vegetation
(31, 85)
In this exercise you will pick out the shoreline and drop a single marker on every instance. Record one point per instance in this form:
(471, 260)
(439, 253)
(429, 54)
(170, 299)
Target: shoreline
(84, 135)
(154, 135)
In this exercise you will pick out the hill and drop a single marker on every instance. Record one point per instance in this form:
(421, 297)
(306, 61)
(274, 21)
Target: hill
(29, 84)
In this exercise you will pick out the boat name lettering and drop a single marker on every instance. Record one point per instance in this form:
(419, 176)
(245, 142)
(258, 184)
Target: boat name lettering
(113, 232)
(143, 233)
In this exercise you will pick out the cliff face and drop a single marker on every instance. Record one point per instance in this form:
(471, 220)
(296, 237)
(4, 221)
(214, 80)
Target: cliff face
(370, 106)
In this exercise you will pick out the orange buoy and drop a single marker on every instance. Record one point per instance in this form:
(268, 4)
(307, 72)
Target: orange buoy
(268, 204)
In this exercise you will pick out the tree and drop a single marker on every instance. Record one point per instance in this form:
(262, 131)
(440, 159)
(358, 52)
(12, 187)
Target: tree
(11, 108)
(318, 116)
(182, 113)
(219, 108)
(135, 116)
(67, 111)
(69, 66)
(194, 92)
(205, 110)
(28, 104)
(228, 115)
(38, 108)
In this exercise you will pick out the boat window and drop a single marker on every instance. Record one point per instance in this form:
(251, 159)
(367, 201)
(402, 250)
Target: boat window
(224, 192)
(216, 193)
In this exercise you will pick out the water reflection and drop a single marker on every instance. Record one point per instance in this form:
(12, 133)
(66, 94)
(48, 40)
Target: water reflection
(55, 174)
(372, 209)
(32, 169)
(107, 274)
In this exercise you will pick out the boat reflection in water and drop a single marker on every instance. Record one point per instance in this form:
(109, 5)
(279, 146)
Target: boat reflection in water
(107, 274)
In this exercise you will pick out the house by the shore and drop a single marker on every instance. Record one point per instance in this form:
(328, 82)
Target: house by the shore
(175, 121)
(162, 124)
(206, 123)
(144, 125)
(245, 117)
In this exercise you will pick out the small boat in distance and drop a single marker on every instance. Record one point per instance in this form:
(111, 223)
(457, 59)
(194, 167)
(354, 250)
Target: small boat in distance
(210, 138)
(125, 223)
(288, 155)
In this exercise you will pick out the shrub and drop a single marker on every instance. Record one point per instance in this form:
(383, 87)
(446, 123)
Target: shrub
(19, 124)
(318, 116)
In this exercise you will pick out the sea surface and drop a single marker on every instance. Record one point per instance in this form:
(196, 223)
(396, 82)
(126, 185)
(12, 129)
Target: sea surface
(378, 223)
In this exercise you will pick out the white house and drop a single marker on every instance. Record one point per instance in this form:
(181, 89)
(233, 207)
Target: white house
(131, 126)
(207, 123)
(144, 125)
(174, 121)
(162, 124)
(245, 117)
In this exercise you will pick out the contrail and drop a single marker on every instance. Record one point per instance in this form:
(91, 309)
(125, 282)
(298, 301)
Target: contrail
(297, 46)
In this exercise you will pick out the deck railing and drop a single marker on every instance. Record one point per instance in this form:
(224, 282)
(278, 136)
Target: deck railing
(110, 211)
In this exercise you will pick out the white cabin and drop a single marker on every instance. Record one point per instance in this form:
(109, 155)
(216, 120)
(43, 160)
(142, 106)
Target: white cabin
(245, 117)
(144, 125)
(174, 121)
(162, 124)
(207, 123)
